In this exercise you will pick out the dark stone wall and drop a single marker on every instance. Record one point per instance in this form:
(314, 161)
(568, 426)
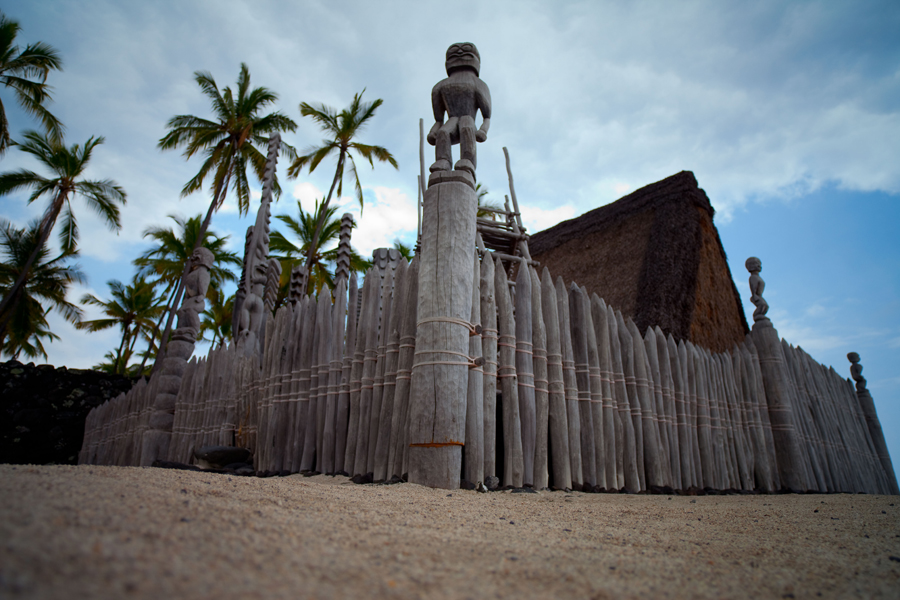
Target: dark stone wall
(43, 408)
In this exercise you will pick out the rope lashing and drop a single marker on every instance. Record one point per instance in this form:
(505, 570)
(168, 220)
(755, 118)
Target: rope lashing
(474, 328)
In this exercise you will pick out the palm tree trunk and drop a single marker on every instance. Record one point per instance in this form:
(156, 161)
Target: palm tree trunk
(164, 340)
(125, 333)
(7, 306)
(314, 243)
(171, 295)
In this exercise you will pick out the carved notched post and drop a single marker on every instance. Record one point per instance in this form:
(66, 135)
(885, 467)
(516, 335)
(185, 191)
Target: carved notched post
(439, 383)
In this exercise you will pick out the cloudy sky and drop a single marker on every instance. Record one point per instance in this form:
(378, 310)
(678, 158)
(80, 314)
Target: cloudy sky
(788, 113)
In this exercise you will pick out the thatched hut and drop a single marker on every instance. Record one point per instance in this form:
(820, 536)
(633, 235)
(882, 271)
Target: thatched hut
(656, 256)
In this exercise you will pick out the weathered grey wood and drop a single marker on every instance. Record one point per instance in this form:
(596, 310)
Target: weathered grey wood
(743, 446)
(308, 457)
(513, 467)
(387, 285)
(596, 385)
(821, 404)
(762, 406)
(867, 408)
(525, 372)
(301, 307)
(628, 362)
(570, 381)
(304, 381)
(717, 425)
(370, 325)
(541, 384)
(732, 466)
(325, 341)
(784, 432)
(440, 373)
(612, 427)
(335, 367)
(474, 448)
(709, 476)
(400, 417)
(343, 412)
(652, 455)
(628, 450)
(808, 434)
(686, 358)
(392, 357)
(651, 352)
(668, 389)
(489, 337)
(356, 371)
(561, 468)
(582, 380)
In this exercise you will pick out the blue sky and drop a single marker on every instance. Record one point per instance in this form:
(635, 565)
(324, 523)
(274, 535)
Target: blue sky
(788, 113)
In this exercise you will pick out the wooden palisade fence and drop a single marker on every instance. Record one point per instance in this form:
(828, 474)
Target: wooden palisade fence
(566, 393)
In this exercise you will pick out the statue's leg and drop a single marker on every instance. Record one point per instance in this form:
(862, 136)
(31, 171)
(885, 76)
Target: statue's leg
(466, 160)
(443, 158)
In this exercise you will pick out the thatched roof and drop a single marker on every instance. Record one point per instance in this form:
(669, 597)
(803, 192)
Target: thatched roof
(656, 256)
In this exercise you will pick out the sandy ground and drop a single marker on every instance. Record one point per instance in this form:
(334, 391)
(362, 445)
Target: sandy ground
(112, 532)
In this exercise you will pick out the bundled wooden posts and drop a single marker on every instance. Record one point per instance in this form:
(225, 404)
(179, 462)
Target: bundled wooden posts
(570, 383)
(513, 459)
(489, 338)
(561, 467)
(392, 360)
(400, 417)
(541, 383)
(474, 448)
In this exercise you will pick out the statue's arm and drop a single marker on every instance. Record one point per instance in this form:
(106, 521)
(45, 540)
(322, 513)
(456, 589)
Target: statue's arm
(483, 98)
(437, 105)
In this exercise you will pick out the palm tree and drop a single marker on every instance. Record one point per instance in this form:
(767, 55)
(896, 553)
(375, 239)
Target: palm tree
(405, 251)
(133, 308)
(230, 142)
(163, 263)
(340, 129)
(483, 203)
(67, 165)
(25, 72)
(44, 289)
(303, 228)
(217, 318)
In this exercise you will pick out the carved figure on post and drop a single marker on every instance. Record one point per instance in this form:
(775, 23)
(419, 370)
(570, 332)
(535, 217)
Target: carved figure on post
(856, 372)
(461, 95)
(757, 287)
(196, 283)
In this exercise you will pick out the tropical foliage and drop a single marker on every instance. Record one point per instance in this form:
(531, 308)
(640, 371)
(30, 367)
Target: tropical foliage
(44, 289)
(24, 71)
(163, 263)
(66, 164)
(229, 143)
(133, 308)
(232, 141)
(217, 318)
(340, 129)
(324, 258)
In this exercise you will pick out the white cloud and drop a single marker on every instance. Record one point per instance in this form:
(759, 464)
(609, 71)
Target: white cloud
(816, 310)
(537, 219)
(390, 215)
(307, 193)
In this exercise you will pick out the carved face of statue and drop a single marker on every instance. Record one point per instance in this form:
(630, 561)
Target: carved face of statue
(753, 264)
(463, 55)
(202, 256)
